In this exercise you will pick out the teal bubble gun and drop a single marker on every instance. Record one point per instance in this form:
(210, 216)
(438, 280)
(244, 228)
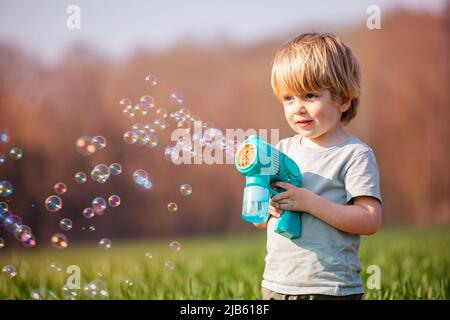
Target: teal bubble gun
(262, 165)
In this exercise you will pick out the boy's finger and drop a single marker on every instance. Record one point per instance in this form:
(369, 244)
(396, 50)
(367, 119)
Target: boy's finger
(283, 185)
(282, 195)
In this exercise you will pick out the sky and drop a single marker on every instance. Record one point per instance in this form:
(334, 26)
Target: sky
(117, 27)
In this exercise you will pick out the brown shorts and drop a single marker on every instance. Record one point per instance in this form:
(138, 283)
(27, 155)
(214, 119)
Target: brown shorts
(272, 295)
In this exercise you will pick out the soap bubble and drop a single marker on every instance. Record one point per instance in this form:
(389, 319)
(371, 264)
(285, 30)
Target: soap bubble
(140, 137)
(129, 137)
(55, 266)
(10, 271)
(88, 213)
(2, 242)
(4, 136)
(177, 98)
(161, 113)
(151, 80)
(96, 290)
(125, 102)
(2, 158)
(128, 283)
(148, 101)
(140, 176)
(68, 293)
(185, 189)
(184, 112)
(6, 189)
(53, 203)
(85, 146)
(141, 109)
(16, 153)
(152, 141)
(175, 116)
(114, 201)
(59, 241)
(100, 173)
(3, 206)
(43, 293)
(105, 243)
(60, 188)
(171, 153)
(115, 169)
(128, 112)
(29, 241)
(80, 177)
(91, 228)
(172, 207)
(99, 142)
(137, 126)
(65, 224)
(160, 123)
(175, 245)
(22, 232)
(169, 265)
(12, 223)
(148, 255)
(99, 205)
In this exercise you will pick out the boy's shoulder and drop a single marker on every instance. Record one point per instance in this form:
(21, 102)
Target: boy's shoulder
(352, 145)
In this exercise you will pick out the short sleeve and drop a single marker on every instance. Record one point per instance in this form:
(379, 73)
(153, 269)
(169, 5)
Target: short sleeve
(362, 177)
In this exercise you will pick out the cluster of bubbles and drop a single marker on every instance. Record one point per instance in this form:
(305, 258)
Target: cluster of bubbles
(140, 178)
(99, 205)
(96, 290)
(87, 145)
(140, 109)
(10, 271)
(15, 153)
(13, 224)
(100, 173)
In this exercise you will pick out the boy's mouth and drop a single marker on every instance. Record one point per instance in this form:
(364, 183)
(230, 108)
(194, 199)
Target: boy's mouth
(303, 123)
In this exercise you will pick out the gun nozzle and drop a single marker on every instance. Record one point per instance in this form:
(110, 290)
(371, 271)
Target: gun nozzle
(246, 155)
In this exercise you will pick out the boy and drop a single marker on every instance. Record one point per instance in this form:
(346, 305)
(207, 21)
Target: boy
(317, 79)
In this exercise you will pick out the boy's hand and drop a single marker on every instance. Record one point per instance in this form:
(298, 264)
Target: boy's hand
(273, 210)
(293, 199)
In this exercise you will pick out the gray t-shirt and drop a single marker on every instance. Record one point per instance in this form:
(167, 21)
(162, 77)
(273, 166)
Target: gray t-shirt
(324, 260)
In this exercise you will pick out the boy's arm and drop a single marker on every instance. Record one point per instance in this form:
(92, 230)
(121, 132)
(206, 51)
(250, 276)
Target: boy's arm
(363, 217)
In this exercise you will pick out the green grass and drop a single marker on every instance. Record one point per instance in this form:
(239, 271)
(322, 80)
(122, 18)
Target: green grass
(414, 264)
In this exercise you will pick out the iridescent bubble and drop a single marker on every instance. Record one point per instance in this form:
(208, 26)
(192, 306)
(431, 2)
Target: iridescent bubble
(148, 101)
(141, 109)
(115, 169)
(80, 177)
(60, 188)
(4, 137)
(88, 213)
(140, 137)
(2, 158)
(169, 265)
(125, 102)
(160, 123)
(161, 113)
(175, 245)
(128, 112)
(172, 207)
(59, 241)
(137, 126)
(148, 255)
(177, 98)
(96, 290)
(114, 201)
(149, 128)
(100, 173)
(140, 177)
(185, 189)
(22, 232)
(12, 223)
(65, 224)
(84, 146)
(3, 206)
(151, 80)
(91, 228)
(129, 137)
(105, 243)
(68, 293)
(55, 266)
(184, 112)
(2, 242)
(99, 205)
(6, 189)
(152, 141)
(174, 116)
(29, 241)
(99, 142)
(16, 153)
(128, 283)
(171, 153)
(53, 203)
(43, 293)
(10, 271)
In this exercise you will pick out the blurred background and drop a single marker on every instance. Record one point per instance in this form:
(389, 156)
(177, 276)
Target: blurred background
(57, 84)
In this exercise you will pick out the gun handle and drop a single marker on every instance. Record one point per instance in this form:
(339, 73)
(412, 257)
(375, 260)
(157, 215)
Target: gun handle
(289, 225)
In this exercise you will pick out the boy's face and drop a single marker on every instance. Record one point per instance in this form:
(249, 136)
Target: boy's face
(314, 115)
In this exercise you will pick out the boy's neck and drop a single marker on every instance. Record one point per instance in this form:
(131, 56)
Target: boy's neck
(326, 140)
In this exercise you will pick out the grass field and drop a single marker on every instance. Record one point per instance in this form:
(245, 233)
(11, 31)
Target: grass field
(414, 264)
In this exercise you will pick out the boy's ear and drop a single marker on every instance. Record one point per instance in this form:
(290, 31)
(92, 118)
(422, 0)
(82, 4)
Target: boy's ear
(345, 106)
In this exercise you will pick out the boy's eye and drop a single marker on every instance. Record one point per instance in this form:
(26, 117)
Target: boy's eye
(288, 98)
(310, 96)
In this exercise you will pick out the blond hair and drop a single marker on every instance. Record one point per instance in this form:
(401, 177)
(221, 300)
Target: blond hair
(313, 62)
